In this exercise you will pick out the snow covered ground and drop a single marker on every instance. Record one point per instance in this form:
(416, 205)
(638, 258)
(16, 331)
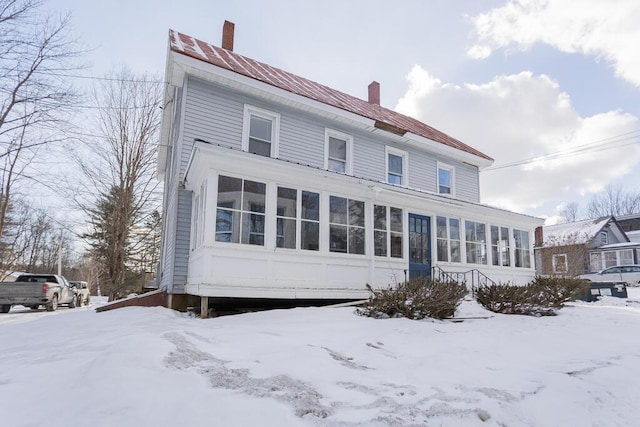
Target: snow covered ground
(321, 367)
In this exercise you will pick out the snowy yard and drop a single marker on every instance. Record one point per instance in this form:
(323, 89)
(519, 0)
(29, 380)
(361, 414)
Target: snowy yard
(321, 366)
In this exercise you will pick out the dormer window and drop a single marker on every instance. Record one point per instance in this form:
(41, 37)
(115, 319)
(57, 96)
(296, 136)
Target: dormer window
(445, 179)
(260, 131)
(604, 238)
(338, 149)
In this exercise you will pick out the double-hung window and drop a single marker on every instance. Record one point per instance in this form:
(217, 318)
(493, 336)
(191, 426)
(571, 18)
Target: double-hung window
(522, 248)
(240, 214)
(445, 179)
(298, 208)
(500, 246)
(560, 265)
(476, 242)
(260, 131)
(387, 231)
(448, 239)
(396, 166)
(346, 225)
(338, 149)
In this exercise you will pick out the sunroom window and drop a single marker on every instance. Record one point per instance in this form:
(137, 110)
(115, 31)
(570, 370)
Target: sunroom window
(346, 225)
(240, 214)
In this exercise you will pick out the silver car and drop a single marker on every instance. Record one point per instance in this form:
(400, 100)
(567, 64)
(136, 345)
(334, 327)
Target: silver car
(620, 273)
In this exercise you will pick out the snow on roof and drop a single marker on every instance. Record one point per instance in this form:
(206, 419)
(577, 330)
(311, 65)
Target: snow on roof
(620, 245)
(571, 233)
(384, 117)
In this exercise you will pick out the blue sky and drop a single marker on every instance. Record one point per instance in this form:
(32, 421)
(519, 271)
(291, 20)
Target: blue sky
(515, 79)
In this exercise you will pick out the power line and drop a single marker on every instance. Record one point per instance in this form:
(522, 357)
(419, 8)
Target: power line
(590, 147)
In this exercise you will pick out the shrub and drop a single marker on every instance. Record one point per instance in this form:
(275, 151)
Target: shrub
(542, 297)
(415, 299)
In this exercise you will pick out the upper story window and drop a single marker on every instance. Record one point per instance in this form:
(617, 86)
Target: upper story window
(338, 149)
(260, 131)
(604, 238)
(445, 179)
(396, 166)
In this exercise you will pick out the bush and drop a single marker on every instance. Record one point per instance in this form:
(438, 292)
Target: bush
(542, 297)
(415, 299)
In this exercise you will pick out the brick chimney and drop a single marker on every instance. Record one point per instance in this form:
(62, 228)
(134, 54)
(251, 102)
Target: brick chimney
(374, 93)
(227, 35)
(539, 237)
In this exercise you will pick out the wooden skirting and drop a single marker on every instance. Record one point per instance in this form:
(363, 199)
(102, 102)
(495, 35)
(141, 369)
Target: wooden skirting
(149, 299)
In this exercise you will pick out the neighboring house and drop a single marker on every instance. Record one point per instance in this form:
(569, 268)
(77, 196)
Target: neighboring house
(279, 187)
(631, 226)
(581, 247)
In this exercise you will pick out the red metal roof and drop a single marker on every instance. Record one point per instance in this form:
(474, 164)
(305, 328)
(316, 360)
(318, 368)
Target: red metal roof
(384, 117)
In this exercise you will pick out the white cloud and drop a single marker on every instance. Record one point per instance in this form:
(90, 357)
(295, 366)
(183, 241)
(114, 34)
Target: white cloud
(524, 116)
(605, 29)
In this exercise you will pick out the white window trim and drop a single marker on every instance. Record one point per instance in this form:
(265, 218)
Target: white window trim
(565, 266)
(405, 163)
(452, 170)
(344, 136)
(250, 110)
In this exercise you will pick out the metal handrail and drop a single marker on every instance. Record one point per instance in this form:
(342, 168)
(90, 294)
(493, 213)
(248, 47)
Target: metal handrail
(478, 278)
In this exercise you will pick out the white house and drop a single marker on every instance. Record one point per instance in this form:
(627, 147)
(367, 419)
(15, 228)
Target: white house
(277, 187)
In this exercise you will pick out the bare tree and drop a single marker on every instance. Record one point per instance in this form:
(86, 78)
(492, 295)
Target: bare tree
(36, 51)
(614, 200)
(121, 171)
(569, 212)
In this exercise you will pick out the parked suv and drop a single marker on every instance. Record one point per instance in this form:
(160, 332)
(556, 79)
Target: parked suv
(620, 273)
(83, 291)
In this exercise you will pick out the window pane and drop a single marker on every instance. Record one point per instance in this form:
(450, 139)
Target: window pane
(454, 229)
(395, 164)
(396, 245)
(337, 166)
(443, 250)
(338, 238)
(310, 236)
(441, 228)
(229, 192)
(380, 217)
(310, 205)
(455, 251)
(253, 199)
(396, 219)
(356, 240)
(495, 235)
(252, 229)
(394, 179)
(286, 233)
(444, 177)
(337, 149)
(259, 147)
(287, 201)
(227, 226)
(260, 128)
(356, 213)
(380, 243)
(337, 210)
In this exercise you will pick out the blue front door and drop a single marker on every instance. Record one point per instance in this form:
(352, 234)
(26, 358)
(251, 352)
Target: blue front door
(419, 246)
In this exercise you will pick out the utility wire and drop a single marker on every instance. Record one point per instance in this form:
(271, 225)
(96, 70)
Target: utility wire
(590, 147)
